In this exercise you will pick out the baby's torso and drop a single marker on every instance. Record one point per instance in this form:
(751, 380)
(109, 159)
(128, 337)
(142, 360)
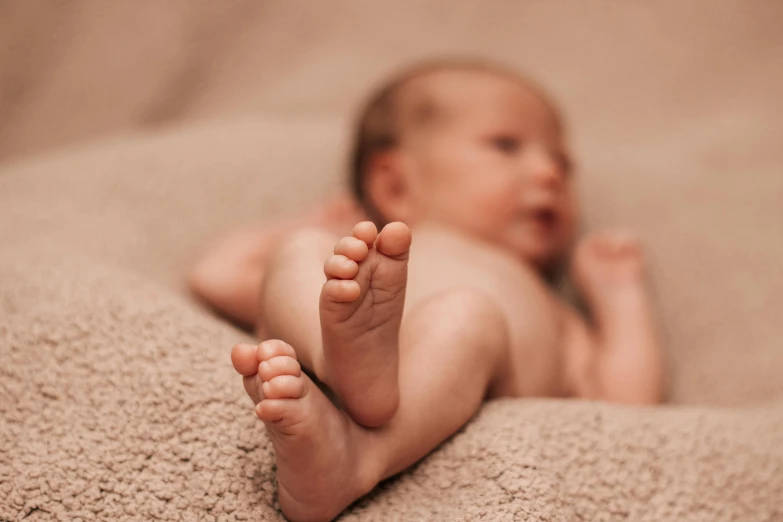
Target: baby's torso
(442, 261)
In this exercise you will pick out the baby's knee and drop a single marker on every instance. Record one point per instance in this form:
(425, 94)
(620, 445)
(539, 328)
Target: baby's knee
(303, 241)
(307, 236)
(472, 312)
(468, 302)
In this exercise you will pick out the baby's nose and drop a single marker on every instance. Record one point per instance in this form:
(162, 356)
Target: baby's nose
(544, 168)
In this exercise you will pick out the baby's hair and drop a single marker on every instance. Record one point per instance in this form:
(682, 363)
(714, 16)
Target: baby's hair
(378, 128)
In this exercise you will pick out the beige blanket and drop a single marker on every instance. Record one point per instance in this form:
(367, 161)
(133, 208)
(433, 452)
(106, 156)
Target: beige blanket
(117, 399)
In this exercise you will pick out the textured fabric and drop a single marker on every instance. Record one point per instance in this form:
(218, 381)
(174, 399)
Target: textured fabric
(132, 133)
(119, 402)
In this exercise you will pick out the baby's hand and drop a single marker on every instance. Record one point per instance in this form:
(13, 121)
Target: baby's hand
(606, 262)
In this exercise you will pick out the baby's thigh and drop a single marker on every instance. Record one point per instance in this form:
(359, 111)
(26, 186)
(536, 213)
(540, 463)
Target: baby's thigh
(293, 281)
(432, 273)
(301, 254)
(462, 332)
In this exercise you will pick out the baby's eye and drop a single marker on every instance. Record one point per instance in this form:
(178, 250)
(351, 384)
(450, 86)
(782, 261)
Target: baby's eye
(563, 162)
(506, 144)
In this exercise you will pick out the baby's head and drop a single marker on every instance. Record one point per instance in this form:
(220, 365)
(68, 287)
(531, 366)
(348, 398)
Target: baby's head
(470, 146)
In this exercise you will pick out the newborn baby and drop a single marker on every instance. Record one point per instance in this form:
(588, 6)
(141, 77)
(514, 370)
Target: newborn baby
(471, 162)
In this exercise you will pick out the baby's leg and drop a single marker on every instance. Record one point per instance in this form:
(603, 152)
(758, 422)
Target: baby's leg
(348, 336)
(626, 364)
(453, 350)
(361, 312)
(290, 293)
(452, 347)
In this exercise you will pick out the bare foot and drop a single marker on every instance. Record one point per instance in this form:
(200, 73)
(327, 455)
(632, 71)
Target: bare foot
(323, 463)
(608, 268)
(361, 310)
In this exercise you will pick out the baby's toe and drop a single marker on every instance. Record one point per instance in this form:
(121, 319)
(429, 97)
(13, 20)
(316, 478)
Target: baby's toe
(273, 348)
(252, 386)
(283, 387)
(244, 357)
(352, 248)
(366, 232)
(340, 267)
(281, 365)
(341, 291)
(394, 240)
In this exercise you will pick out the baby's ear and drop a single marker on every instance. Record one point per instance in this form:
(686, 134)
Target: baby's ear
(388, 186)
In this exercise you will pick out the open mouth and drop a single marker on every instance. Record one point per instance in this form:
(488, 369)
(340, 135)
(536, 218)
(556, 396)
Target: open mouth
(545, 217)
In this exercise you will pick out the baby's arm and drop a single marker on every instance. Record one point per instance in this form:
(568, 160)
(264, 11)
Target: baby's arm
(229, 276)
(624, 361)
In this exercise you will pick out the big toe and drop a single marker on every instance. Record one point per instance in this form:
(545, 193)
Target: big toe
(244, 357)
(394, 240)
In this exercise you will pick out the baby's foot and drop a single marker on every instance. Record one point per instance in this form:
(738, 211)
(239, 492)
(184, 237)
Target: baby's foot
(361, 310)
(322, 460)
(608, 268)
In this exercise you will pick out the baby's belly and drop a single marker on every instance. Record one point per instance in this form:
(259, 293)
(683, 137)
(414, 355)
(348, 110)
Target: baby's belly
(446, 263)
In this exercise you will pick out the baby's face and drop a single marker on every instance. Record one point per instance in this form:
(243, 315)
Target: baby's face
(496, 166)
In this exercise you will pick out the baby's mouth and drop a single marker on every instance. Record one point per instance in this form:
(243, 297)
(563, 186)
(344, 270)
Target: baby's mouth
(545, 218)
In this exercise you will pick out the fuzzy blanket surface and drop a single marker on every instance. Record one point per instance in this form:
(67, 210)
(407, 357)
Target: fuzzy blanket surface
(120, 162)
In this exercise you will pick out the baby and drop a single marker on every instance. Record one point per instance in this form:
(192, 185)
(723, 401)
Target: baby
(471, 161)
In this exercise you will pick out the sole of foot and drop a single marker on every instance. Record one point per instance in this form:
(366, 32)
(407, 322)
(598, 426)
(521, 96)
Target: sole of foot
(361, 310)
(321, 454)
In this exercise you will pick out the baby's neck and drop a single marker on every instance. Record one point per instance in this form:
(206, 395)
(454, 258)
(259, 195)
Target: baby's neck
(430, 229)
(444, 231)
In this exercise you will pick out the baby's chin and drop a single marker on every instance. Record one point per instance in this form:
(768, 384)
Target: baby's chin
(547, 257)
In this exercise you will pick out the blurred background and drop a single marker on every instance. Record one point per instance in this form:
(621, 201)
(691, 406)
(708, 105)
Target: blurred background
(79, 70)
(223, 113)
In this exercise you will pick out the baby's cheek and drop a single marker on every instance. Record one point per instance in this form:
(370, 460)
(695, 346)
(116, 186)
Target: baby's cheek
(499, 206)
